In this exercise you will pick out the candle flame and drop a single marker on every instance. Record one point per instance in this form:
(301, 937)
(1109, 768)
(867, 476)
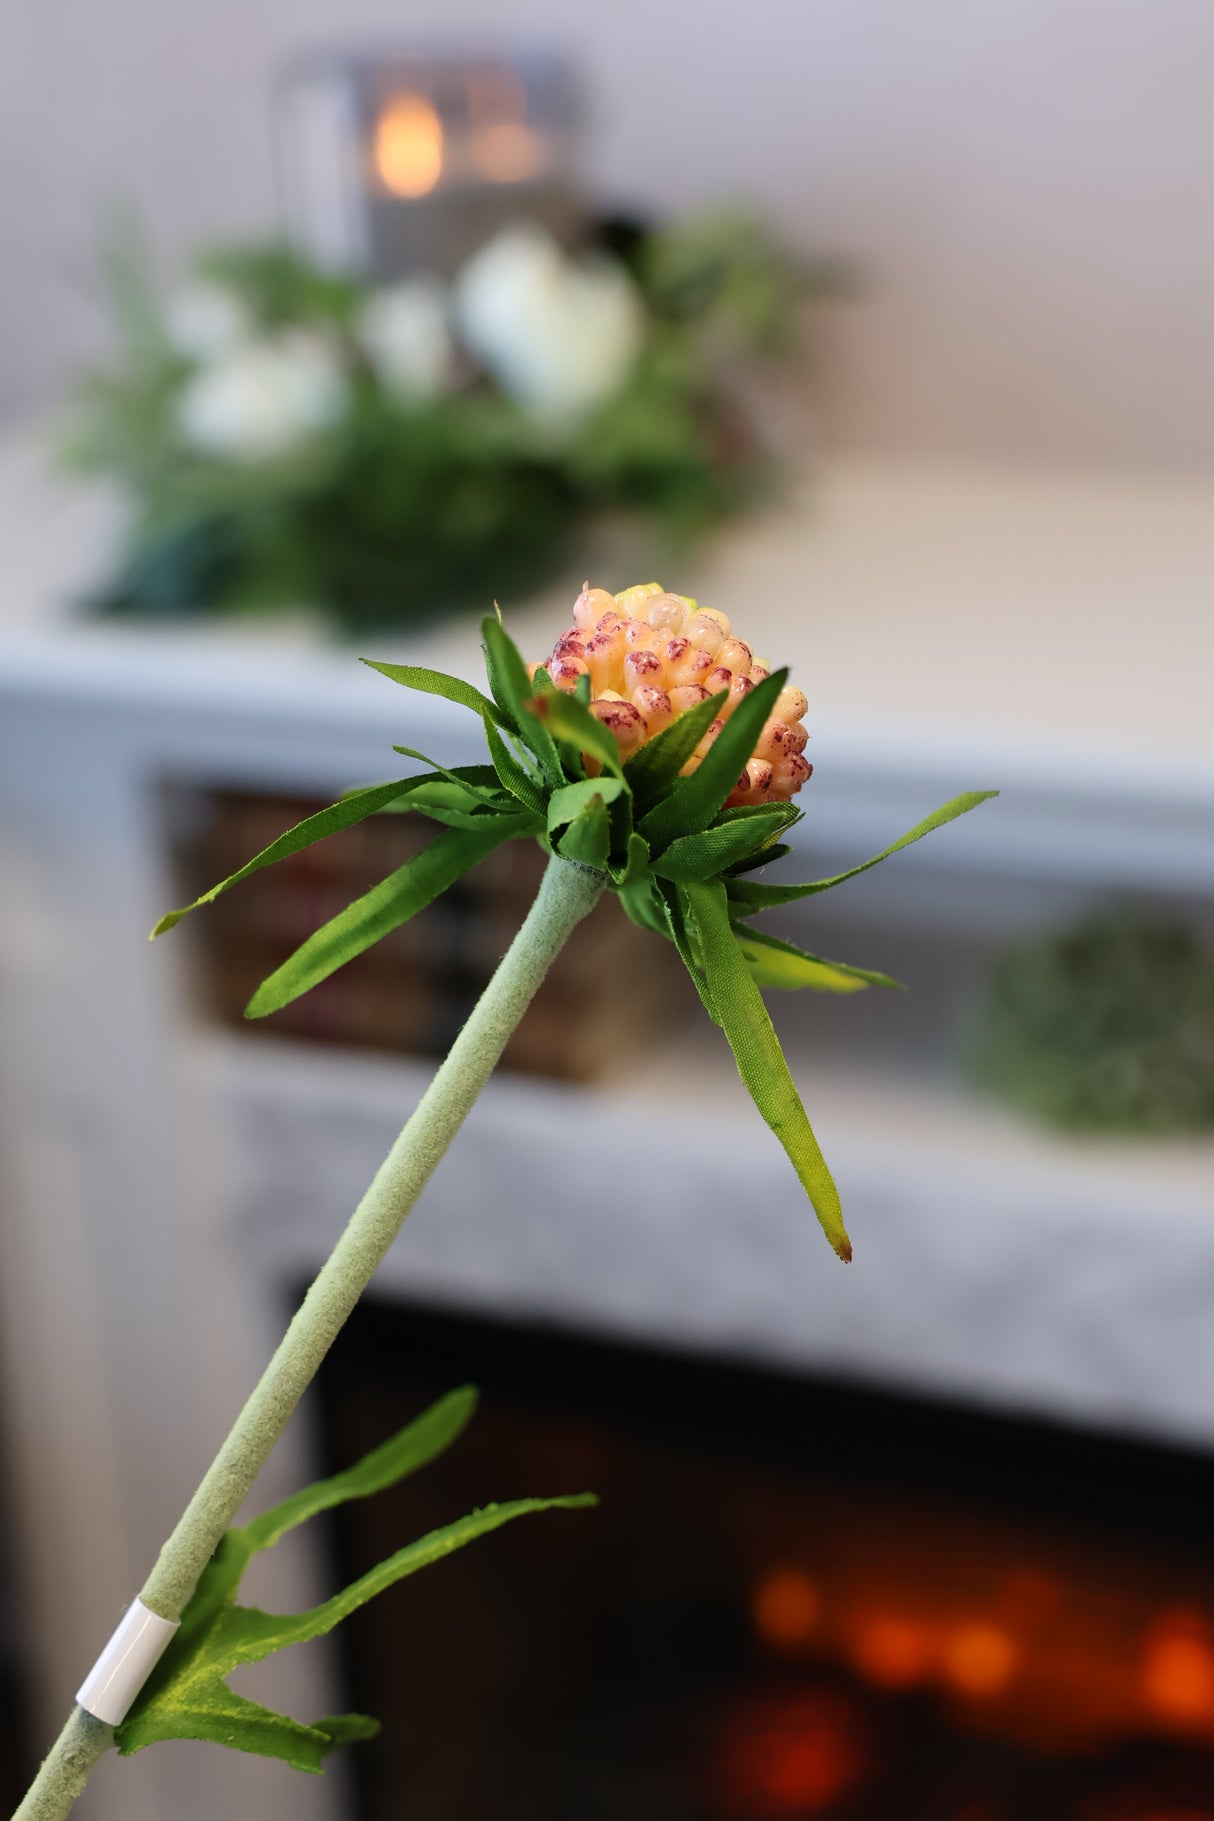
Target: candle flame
(409, 146)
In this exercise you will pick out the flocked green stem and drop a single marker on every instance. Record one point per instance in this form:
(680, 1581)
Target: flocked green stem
(567, 893)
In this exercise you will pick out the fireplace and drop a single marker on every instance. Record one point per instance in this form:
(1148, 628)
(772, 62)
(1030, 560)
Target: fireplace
(797, 1599)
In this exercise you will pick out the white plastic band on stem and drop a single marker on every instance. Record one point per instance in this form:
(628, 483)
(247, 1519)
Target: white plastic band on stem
(125, 1664)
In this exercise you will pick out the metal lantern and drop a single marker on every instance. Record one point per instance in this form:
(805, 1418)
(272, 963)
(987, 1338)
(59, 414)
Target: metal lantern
(401, 163)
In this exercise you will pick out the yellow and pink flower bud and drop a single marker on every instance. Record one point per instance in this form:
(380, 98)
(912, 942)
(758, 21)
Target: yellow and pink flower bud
(652, 655)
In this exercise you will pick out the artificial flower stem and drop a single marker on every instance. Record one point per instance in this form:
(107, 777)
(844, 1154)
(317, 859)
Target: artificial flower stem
(567, 893)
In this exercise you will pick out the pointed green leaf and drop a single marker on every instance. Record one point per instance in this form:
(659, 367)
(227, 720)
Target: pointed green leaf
(411, 1448)
(260, 1634)
(570, 720)
(215, 1715)
(513, 690)
(384, 908)
(774, 963)
(353, 808)
(749, 895)
(654, 770)
(734, 1001)
(705, 855)
(696, 800)
(437, 683)
(187, 1696)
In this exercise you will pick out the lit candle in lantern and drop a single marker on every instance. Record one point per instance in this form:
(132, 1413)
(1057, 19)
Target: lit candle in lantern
(402, 164)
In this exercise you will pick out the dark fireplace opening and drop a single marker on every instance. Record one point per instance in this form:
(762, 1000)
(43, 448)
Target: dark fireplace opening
(797, 1598)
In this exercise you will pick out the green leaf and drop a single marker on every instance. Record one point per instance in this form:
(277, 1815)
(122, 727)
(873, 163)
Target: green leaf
(571, 720)
(749, 895)
(353, 808)
(695, 801)
(438, 683)
(654, 770)
(733, 1000)
(774, 963)
(517, 779)
(187, 1696)
(410, 1449)
(705, 855)
(384, 908)
(512, 689)
(264, 1633)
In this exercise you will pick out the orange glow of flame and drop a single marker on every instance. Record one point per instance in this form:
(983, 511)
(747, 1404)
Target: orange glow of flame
(892, 1651)
(1178, 1669)
(787, 1756)
(979, 1660)
(409, 146)
(785, 1608)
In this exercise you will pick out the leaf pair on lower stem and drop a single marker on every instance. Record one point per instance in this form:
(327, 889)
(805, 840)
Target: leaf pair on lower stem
(187, 1696)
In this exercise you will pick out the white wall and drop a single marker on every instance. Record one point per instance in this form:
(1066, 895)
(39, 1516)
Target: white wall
(1029, 183)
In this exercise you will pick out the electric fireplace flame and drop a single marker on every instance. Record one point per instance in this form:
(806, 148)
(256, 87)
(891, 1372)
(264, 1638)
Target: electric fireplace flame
(1050, 1661)
(795, 1602)
(409, 146)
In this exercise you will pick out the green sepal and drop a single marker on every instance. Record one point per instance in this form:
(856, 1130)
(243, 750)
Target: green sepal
(638, 890)
(354, 807)
(731, 997)
(579, 820)
(513, 690)
(566, 805)
(587, 839)
(708, 853)
(766, 856)
(466, 787)
(520, 782)
(187, 1696)
(748, 895)
(385, 907)
(572, 722)
(696, 800)
(437, 683)
(773, 963)
(654, 770)
(442, 801)
(484, 786)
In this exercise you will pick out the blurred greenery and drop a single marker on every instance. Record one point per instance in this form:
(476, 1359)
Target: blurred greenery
(1108, 1026)
(402, 507)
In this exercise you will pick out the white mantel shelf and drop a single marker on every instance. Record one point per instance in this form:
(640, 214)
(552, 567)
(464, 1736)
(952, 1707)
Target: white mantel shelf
(1049, 634)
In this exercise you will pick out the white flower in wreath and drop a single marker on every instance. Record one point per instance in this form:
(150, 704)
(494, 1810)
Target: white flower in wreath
(403, 332)
(262, 399)
(205, 320)
(559, 336)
